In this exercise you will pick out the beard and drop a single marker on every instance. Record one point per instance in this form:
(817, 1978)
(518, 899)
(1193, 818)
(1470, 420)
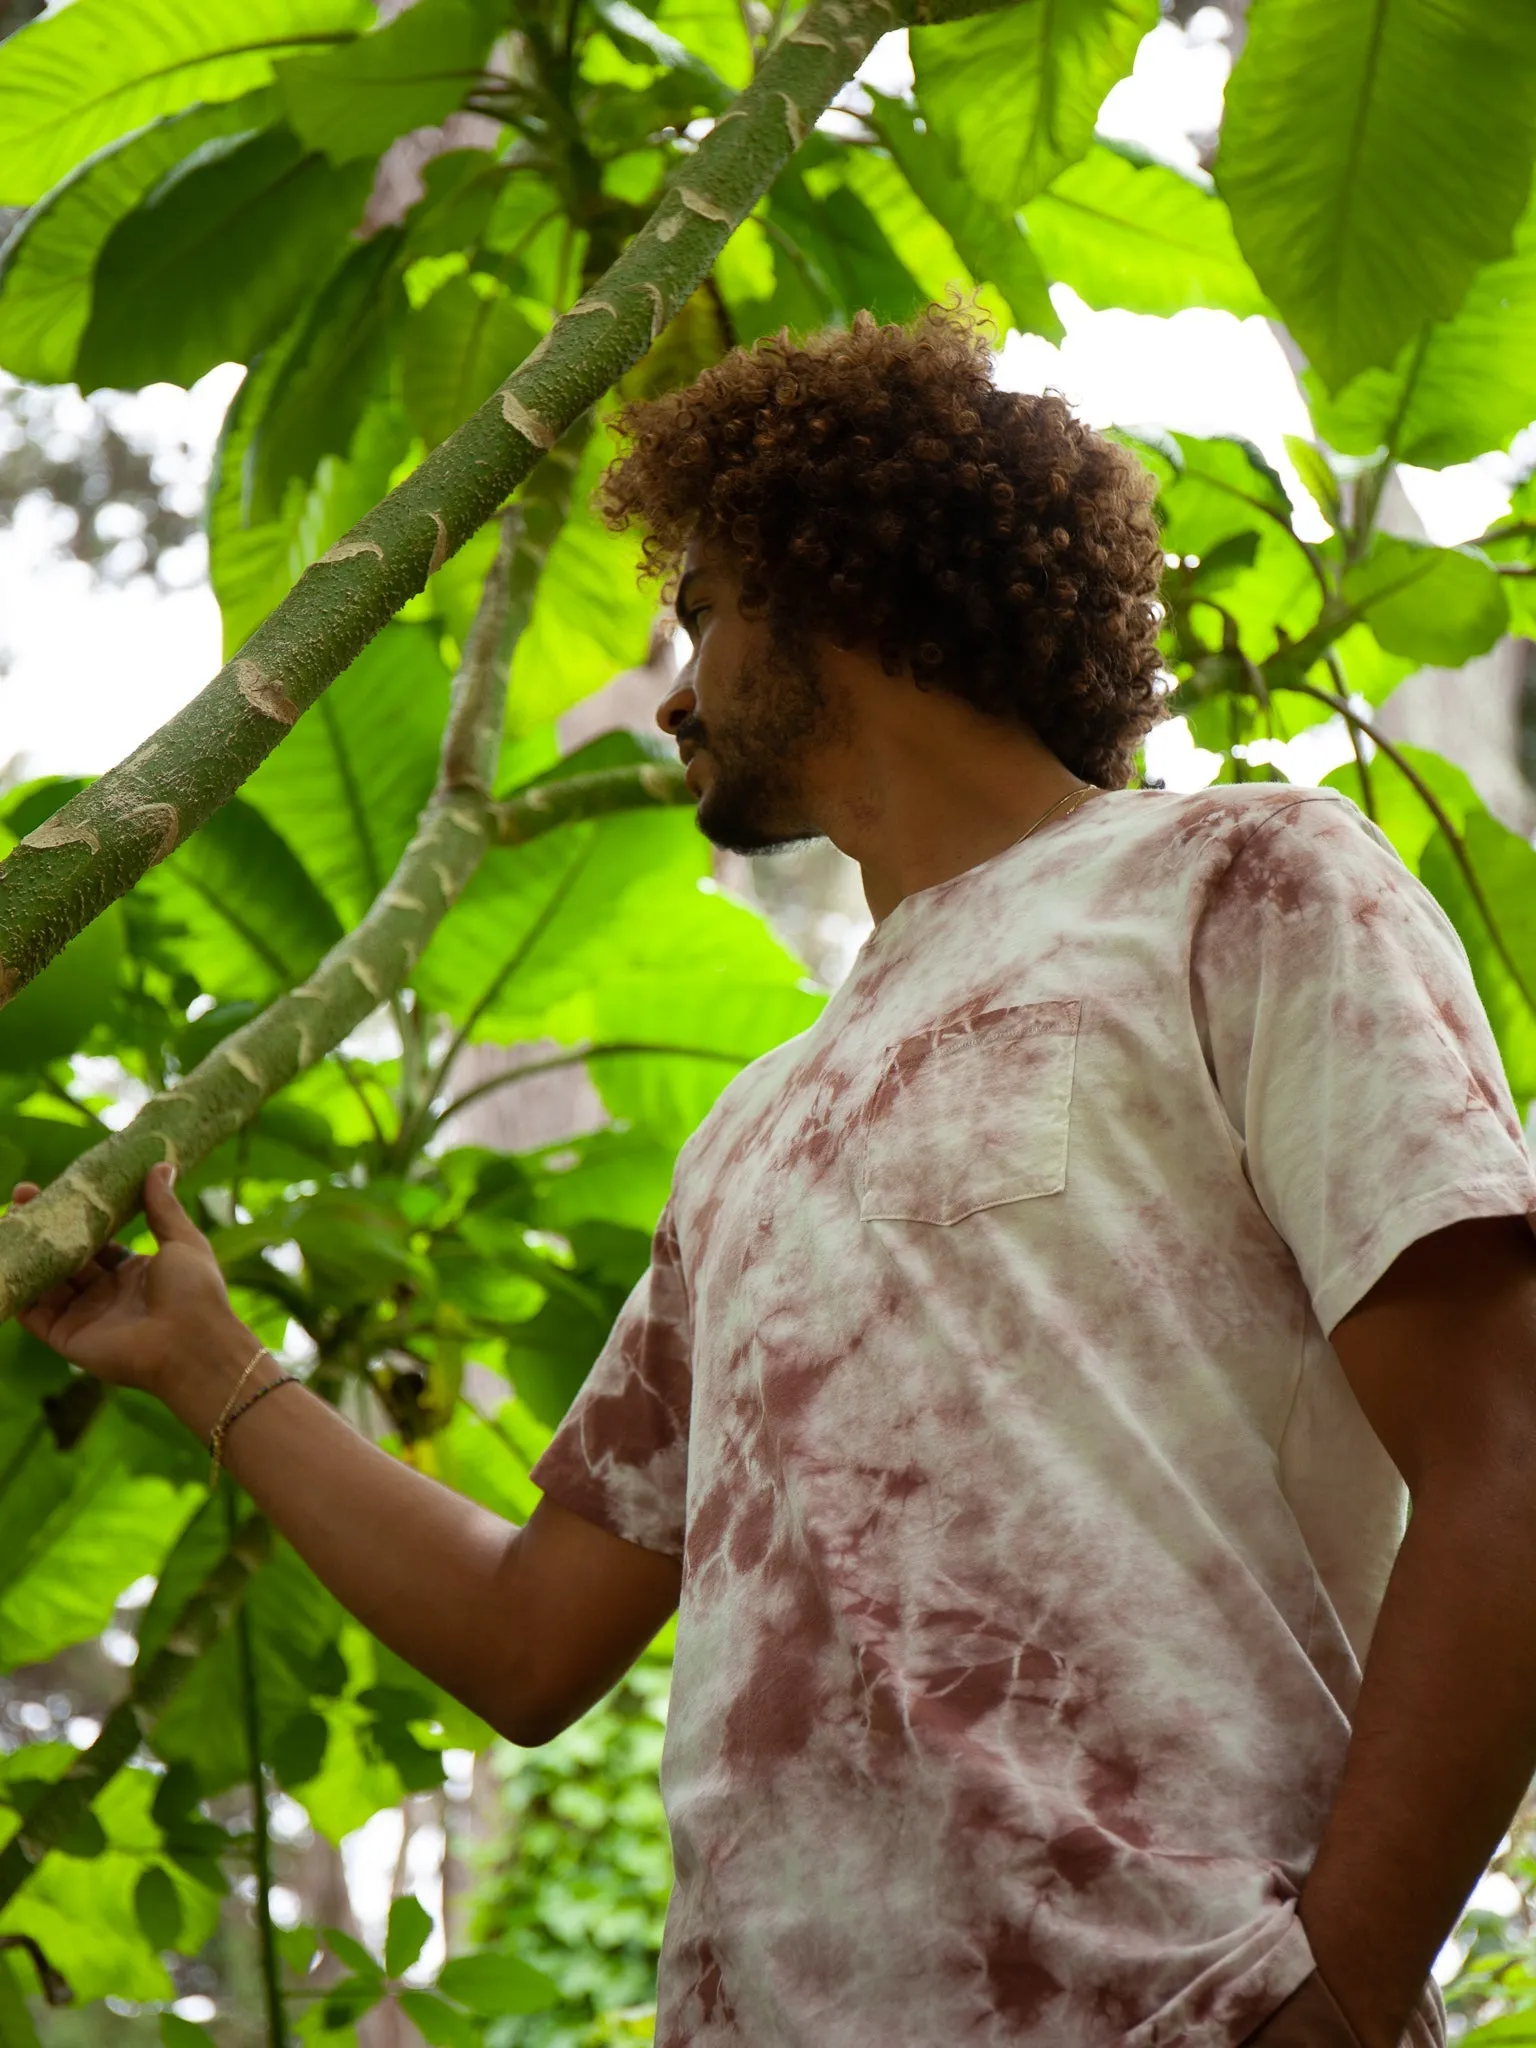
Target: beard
(757, 752)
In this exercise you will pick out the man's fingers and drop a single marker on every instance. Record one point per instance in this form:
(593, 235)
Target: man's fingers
(111, 1256)
(163, 1213)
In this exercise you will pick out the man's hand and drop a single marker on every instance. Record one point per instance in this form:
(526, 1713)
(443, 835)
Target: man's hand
(135, 1320)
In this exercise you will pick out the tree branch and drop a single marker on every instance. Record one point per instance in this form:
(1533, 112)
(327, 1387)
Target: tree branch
(53, 1236)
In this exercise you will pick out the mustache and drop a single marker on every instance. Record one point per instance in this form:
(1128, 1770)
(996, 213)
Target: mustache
(689, 732)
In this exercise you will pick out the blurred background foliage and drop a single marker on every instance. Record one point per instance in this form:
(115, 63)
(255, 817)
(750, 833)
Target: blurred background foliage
(378, 213)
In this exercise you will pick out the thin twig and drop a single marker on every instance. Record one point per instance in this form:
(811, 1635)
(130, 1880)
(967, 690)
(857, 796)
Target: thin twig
(576, 1057)
(272, 1983)
(1453, 837)
(1341, 682)
(360, 1092)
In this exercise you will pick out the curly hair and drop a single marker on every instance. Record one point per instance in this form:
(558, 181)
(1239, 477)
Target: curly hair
(876, 486)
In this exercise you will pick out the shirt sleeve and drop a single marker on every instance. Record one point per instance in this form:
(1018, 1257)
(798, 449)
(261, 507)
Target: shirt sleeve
(620, 1457)
(1351, 1049)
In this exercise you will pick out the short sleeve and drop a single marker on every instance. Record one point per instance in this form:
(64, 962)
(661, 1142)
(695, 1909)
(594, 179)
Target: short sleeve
(620, 1457)
(1351, 1049)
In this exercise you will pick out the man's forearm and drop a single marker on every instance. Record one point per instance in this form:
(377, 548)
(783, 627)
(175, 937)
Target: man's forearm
(1443, 1747)
(416, 1562)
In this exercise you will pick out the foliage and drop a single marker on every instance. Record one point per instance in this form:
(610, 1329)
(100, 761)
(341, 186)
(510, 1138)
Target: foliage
(578, 1884)
(195, 179)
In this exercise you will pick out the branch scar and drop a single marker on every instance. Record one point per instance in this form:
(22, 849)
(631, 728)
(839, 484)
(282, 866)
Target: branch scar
(243, 1066)
(344, 550)
(365, 975)
(264, 694)
(55, 832)
(707, 209)
(397, 899)
(439, 546)
(819, 42)
(529, 425)
(169, 821)
(793, 120)
(658, 309)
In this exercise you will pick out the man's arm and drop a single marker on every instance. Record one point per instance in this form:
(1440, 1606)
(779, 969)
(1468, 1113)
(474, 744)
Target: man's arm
(529, 1627)
(1441, 1355)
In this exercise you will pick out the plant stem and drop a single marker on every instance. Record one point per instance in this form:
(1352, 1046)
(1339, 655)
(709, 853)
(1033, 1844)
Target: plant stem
(1437, 811)
(260, 1825)
(271, 1975)
(575, 1058)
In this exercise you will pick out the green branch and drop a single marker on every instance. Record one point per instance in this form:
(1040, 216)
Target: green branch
(532, 812)
(73, 1217)
(97, 845)
(1441, 818)
(577, 1056)
(271, 1970)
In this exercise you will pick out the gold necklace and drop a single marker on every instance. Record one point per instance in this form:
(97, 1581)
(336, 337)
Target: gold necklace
(1082, 793)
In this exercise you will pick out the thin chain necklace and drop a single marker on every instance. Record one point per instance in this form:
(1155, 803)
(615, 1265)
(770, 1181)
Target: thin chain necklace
(1082, 793)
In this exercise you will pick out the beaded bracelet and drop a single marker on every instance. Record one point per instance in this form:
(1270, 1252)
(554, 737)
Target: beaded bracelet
(227, 1421)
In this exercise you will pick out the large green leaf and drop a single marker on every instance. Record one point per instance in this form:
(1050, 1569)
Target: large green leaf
(47, 264)
(214, 262)
(1373, 156)
(543, 929)
(90, 72)
(347, 784)
(53, 1015)
(335, 364)
(1016, 93)
(1220, 494)
(294, 1625)
(713, 31)
(493, 1984)
(1505, 865)
(82, 1911)
(1399, 809)
(1458, 389)
(78, 1527)
(1439, 605)
(987, 240)
(235, 909)
(1131, 233)
(591, 614)
(468, 337)
(414, 73)
(253, 566)
(842, 244)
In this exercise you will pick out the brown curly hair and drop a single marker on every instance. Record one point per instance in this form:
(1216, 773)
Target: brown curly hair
(876, 486)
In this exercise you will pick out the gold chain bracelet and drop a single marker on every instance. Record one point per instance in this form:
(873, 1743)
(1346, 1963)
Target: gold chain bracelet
(227, 1413)
(227, 1422)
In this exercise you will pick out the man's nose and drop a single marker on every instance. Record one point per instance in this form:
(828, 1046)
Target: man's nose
(678, 704)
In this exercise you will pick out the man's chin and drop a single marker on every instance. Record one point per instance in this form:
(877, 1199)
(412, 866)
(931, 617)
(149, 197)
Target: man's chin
(734, 830)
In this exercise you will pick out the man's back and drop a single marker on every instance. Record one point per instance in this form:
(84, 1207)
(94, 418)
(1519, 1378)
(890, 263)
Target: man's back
(1033, 1534)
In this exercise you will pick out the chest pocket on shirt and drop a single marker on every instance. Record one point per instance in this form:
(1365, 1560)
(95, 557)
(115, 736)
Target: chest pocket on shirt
(969, 1115)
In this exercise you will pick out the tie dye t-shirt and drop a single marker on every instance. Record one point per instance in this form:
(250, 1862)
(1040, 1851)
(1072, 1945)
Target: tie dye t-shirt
(1032, 1537)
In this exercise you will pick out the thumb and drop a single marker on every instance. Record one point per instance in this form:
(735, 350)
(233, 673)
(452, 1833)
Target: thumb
(163, 1213)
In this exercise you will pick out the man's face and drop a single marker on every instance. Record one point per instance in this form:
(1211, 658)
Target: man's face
(748, 714)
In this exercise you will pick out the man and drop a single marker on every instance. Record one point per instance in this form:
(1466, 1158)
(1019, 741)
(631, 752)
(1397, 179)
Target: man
(1034, 1353)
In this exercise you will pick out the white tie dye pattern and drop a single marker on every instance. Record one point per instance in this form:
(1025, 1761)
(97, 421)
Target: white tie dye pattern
(1032, 1535)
